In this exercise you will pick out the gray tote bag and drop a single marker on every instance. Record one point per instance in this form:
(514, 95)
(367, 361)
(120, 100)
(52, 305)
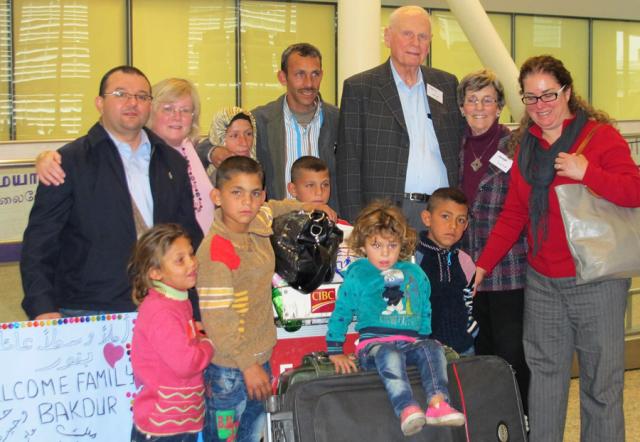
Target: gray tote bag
(604, 238)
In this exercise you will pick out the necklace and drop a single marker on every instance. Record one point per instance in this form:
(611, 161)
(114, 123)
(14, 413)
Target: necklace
(197, 198)
(476, 164)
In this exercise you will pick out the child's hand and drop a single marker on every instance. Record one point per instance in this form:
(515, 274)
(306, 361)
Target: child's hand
(331, 214)
(257, 382)
(343, 363)
(200, 329)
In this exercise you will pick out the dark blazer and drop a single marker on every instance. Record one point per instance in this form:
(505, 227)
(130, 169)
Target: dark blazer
(80, 234)
(373, 142)
(271, 148)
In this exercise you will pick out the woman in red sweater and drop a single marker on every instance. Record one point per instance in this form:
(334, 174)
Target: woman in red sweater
(559, 316)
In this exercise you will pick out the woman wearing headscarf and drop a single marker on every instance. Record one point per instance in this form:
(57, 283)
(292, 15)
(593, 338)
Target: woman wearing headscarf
(233, 128)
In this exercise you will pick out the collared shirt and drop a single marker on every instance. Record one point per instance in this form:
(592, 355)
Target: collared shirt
(300, 140)
(136, 168)
(426, 171)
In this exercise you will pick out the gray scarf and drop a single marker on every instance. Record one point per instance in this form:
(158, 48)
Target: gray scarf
(537, 167)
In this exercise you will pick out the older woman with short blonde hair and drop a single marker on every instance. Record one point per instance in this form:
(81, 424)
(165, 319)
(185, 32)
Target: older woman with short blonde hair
(175, 115)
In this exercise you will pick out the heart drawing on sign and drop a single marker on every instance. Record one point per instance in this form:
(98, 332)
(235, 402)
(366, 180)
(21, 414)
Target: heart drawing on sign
(112, 353)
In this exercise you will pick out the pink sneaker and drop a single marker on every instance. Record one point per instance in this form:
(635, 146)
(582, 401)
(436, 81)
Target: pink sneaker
(412, 420)
(443, 415)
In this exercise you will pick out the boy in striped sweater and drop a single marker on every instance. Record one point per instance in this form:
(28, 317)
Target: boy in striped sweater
(237, 264)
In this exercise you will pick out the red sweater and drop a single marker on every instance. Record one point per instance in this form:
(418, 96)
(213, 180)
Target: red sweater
(611, 173)
(168, 360)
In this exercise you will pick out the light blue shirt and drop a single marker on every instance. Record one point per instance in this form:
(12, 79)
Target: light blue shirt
(301, 140)
(136, 168)
(426, 171)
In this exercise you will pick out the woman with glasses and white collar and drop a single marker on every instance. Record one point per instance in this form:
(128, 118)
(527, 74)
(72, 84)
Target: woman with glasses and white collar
(175, 116)
(559, 316)
(498, 304)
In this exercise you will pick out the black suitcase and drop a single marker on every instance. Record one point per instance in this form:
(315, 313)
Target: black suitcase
(355, 407)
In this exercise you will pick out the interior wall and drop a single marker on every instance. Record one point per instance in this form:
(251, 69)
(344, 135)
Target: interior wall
(614, 9)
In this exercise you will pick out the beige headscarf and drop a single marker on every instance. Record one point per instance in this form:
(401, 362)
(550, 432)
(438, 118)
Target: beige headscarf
(221, 122)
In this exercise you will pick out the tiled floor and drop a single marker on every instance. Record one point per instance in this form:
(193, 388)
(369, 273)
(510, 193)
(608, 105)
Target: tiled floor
(631, 409)
(10, 294)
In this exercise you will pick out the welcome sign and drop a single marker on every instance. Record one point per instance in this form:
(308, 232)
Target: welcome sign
(67, 379)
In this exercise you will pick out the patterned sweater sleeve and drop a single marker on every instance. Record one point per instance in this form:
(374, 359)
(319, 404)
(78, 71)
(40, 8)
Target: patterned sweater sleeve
(280, 207)
(220, 304)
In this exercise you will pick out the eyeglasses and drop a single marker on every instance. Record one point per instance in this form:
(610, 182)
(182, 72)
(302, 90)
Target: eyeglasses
(486, 101)
(545, 98)
(409, 35)
(125, 96)
(170, 109)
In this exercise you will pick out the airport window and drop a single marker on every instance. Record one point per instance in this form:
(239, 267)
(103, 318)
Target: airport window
(564, 38)
(616, 68)
(53, 53)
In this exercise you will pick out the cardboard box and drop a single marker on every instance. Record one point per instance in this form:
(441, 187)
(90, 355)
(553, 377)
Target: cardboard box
(317, 304)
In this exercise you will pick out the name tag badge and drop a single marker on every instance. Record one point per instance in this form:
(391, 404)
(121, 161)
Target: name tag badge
(434, 93)
(501, 161)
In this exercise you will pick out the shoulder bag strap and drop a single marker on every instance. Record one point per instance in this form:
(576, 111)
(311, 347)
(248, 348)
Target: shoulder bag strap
(586, 139)
(583, 144)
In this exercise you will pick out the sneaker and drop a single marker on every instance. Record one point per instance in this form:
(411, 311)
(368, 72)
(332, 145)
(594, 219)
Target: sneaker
(412, 420)
(442, 414)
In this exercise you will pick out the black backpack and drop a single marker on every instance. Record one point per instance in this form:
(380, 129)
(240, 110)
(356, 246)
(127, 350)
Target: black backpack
(306, 246)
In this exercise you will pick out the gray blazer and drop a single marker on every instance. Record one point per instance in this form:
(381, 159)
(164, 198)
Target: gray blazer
(373, 142)
(271, 148)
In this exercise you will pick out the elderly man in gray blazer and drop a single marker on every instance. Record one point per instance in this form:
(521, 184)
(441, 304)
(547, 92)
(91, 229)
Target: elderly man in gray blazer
(400, 126)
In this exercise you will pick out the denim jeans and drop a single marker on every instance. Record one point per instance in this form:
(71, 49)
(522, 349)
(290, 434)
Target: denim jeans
(139, 436)
(231, 415)
(391, 359)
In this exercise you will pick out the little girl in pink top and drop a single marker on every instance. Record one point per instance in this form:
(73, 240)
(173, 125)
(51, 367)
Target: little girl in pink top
(168, 353)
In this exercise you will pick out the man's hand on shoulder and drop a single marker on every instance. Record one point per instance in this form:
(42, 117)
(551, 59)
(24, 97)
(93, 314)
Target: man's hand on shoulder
(49, 169)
